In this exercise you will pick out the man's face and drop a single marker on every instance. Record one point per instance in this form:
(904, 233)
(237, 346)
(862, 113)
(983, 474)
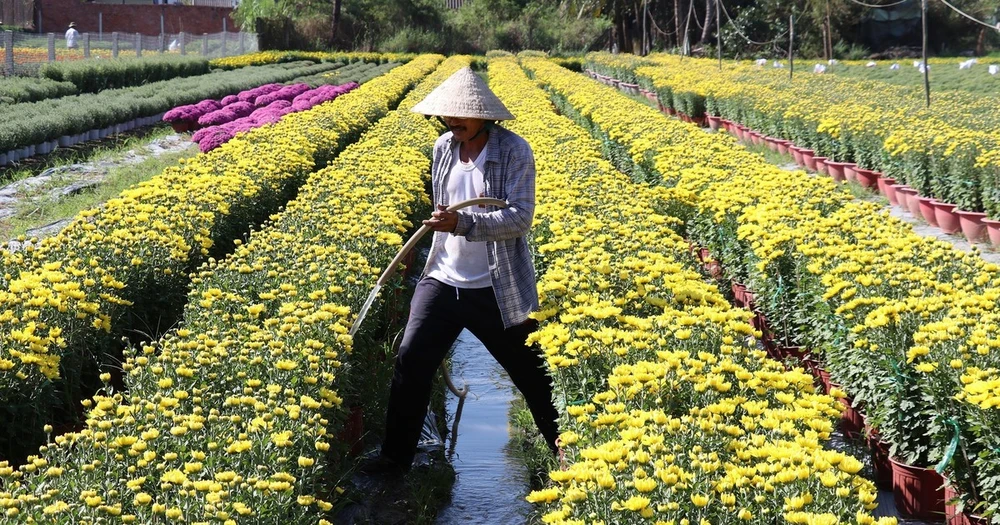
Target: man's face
(464, 129)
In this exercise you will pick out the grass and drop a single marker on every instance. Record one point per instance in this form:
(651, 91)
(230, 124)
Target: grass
(942, 76)
(33, 214)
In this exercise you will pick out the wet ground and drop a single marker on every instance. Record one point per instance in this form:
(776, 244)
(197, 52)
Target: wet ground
(491, 484)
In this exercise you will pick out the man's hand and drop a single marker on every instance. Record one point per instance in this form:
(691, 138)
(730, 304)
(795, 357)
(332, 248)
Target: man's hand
(442, 220)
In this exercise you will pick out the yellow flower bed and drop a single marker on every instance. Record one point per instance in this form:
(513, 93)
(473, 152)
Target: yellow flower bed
(230, 417)
(841, 278)
(670, 414)
(948, 151)
(68, 298)
(273, 57)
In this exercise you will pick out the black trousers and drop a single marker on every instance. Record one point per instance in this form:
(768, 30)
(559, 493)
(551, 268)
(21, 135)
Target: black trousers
(438, 313)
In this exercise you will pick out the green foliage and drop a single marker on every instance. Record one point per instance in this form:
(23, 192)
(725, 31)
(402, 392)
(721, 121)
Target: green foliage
(413, 40)
(91, 76)
(18, 89)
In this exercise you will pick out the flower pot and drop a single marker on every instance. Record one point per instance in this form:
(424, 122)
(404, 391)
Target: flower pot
(992, 231)
(651, 96)
(972, 225)
(903, 193)
(783, 146)
(700, 121)
(918, 491)
(714, 122)
(353, 430)
(850, 171)
(883, 184)
(880, 459)
(65, 141)
(851, 420)
(803, 153)
(913, 203)
(946, 218)
(739, 294)
(43, 149)
(13, 155)
(809, 158)
(820, 163)
(952, 516)
(93, 134)
(3, 159)
(796, 153)
(836, 170)
(867, 178)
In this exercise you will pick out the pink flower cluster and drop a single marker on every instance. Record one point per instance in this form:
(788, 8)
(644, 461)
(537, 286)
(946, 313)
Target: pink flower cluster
(217, 134)
(192, 112)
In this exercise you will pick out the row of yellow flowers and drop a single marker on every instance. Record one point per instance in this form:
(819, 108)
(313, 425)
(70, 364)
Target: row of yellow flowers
(841, 277)
(669, 412)
(65, 303)
(948, 151)
(231, 417)
(273, 57)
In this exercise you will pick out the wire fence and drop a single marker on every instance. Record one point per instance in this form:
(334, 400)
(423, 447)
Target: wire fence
(25, 53)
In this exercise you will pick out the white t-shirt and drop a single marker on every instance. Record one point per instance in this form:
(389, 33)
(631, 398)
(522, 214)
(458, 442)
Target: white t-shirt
(461, 263)
(71, 36)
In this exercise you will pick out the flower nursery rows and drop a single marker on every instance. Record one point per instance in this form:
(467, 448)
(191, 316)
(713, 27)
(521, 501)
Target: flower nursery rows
(670, 412)
(231, 417)
(860, 292)
(947, 152)
(68, 301)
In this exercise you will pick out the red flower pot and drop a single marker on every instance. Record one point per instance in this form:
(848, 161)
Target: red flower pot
(952, 516)
(925, 209)
(849, 171)
(851, 420)
(783, 146)
(714, 122)
(903, 194)
(820, 163)
(972, 225)
(946, 217)
(883, 186)
(180, 126)
(796, 154)
(880, 459)
(867, 178)
(803, 153)
(671, 111)
(993, 231)
(809, 159)
(836, 170)
(918, 491)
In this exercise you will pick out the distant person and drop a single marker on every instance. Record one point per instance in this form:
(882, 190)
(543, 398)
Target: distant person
(72, 35)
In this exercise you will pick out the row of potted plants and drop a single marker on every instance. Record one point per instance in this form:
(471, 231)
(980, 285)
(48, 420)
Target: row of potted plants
(31, 124)
(975, 226)
(129, 262)
(234, 416)
(670, 413)
(839, 277)
(92, 76)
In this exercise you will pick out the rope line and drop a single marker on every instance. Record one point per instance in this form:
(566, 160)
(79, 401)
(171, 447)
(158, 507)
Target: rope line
(970, 17)
(875, 6)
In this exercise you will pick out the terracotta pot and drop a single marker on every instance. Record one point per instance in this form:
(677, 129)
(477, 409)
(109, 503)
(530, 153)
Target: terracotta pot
(880, 459)
(803, 153)
(796, 154)
(836, 170)
(652, 97)
(809, 158)
(918, 491)
(884, 185)
(851, 420)
(993, 231)
(972, 225)
(850, 172)
(820, 164)
(180, 126)
(739, 294)
(903, 193)
(951, 514)
(946, 217)
(671, 111)
(913, 203)
(783, 146)
(714, 122)
(867, 178)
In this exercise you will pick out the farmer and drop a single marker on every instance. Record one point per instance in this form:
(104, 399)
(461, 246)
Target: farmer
(71, 36)
(479, 275)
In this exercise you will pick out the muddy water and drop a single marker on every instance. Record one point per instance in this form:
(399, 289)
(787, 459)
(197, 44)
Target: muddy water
(491, 484)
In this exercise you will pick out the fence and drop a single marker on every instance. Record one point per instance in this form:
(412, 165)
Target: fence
(203, 3)
(25, 53)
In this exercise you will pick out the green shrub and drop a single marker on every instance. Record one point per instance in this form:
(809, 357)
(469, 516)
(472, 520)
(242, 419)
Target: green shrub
(92, 76)
(18, 89)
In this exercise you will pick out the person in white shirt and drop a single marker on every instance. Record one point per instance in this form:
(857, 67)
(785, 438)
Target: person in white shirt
(72, 35)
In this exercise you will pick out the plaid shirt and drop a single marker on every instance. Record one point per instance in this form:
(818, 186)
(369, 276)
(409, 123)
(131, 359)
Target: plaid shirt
(509, 176)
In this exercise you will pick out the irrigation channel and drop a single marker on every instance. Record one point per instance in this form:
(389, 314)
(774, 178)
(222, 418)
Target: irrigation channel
(491, 484)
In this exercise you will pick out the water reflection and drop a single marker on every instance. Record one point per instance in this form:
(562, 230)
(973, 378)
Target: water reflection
(491, 485)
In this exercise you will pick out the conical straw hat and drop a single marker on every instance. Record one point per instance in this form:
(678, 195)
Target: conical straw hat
(463, 95)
